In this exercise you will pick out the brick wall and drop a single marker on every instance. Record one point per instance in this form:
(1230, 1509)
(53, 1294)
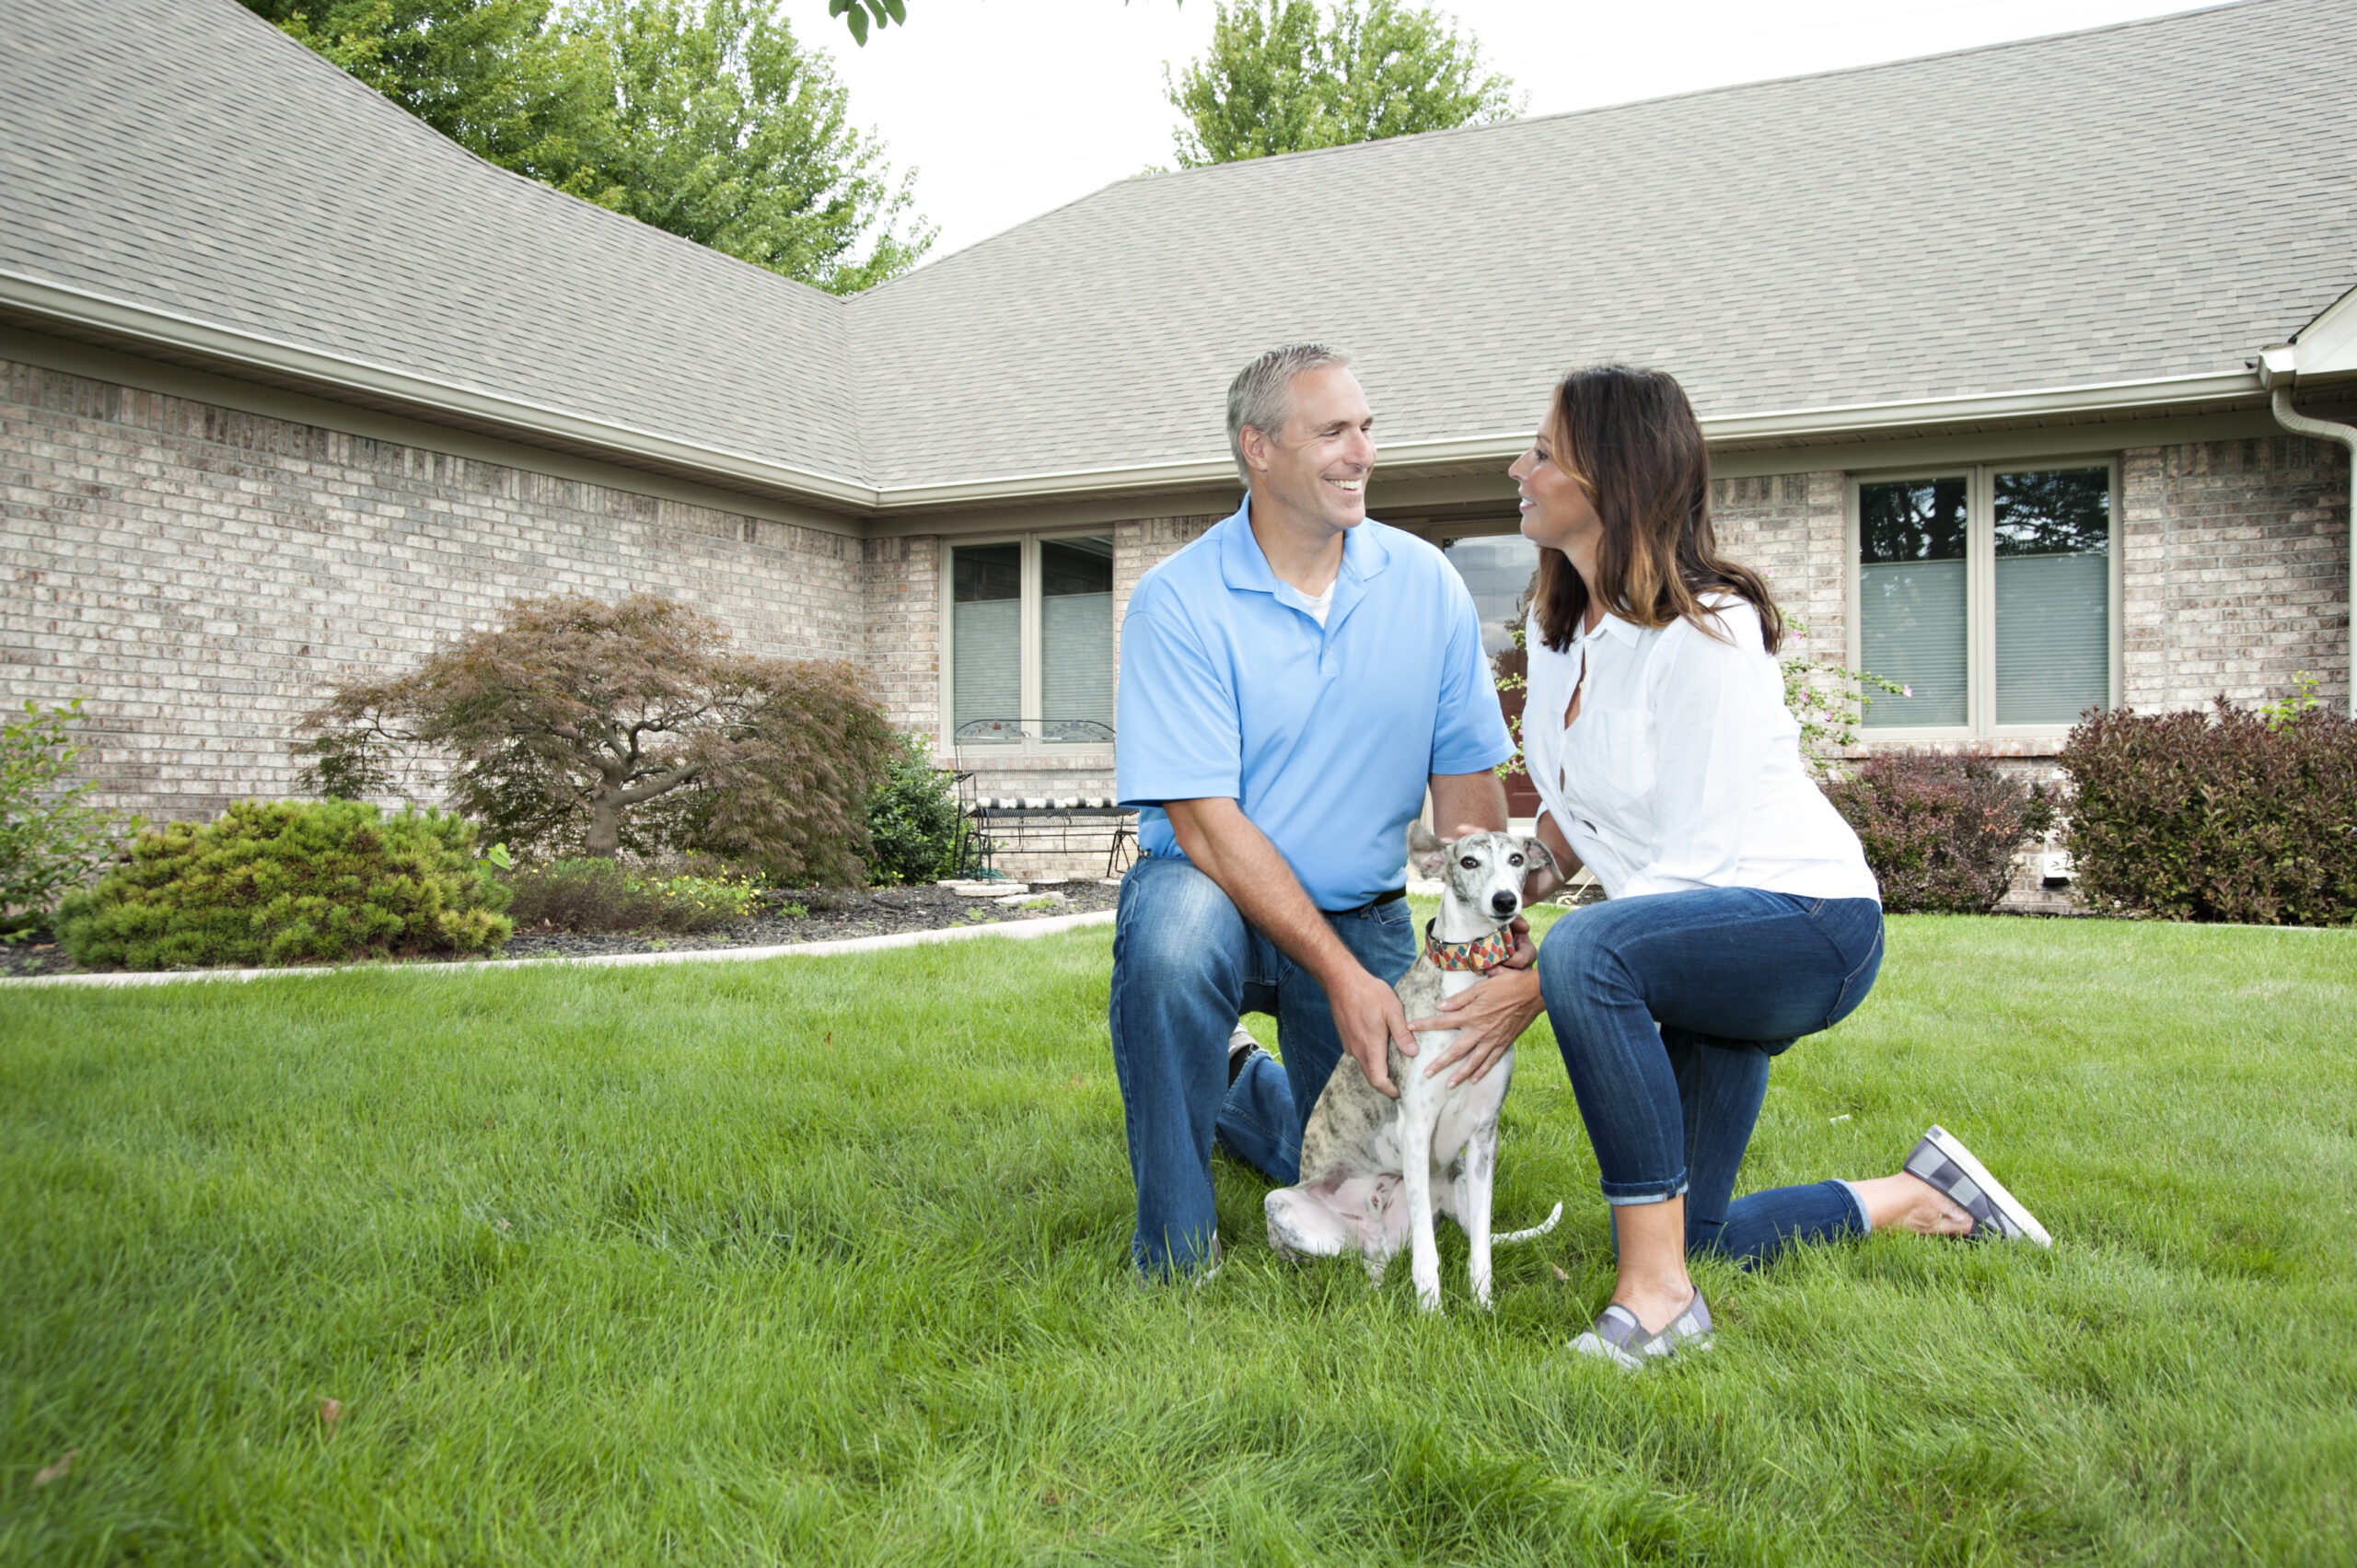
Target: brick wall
(1792, 528)
(2234, 570)
(900, 587)
(1140, 546)
(201, 574)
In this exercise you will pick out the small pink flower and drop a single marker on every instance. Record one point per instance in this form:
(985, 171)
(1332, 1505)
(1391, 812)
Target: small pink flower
(1907, 691)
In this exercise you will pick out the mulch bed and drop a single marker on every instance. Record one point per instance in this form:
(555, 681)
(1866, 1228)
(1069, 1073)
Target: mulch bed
(834, 912)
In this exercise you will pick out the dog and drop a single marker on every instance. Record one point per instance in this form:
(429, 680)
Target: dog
(1373, 1169)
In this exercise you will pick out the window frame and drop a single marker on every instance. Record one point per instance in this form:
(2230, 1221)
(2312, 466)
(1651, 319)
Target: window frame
(1980, 592)
(1031, 633)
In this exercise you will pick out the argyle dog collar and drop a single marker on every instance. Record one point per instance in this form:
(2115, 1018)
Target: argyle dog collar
(1479, 956)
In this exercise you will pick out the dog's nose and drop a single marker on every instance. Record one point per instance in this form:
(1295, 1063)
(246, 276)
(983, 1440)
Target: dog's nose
(1503, 903)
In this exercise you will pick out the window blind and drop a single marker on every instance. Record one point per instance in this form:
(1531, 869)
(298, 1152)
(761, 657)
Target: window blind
(986, 633)
(2053, 583)
(1076, 657)
(986, 672)
(2053, 637)
(1077, 629)
(1912, 630)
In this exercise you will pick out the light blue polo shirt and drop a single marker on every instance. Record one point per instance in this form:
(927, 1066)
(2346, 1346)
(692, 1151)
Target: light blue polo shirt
(1325, 738)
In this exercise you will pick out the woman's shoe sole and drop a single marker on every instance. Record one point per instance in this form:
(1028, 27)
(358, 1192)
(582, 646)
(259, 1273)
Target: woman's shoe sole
(1952, 1149)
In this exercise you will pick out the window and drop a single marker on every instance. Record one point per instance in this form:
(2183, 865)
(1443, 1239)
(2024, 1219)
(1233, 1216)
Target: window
(1030, 629)
(1990, 595)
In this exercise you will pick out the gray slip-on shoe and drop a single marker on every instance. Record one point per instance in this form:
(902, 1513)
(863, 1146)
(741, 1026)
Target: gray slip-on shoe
(1941, 1159)
(1618, 1337)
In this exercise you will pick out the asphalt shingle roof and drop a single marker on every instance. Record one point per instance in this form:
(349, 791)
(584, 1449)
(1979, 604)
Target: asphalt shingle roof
(2148, 200)
(2155, 199)
(185, 155)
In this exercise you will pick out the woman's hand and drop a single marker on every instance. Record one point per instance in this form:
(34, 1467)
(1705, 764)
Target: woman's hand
(1489, 1018)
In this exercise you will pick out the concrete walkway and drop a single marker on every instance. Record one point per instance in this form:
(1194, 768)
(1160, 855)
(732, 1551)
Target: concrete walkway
(1048, 926)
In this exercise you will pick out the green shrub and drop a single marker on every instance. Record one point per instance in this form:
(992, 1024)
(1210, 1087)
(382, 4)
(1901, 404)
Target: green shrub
(2229, 815)
(51, 838)
(287, 882)
(593, 895)
(912, 815)
(1939, 831)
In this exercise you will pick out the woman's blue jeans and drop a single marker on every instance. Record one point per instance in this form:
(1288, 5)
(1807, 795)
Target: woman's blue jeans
(1668, 1009)
(1185, 966)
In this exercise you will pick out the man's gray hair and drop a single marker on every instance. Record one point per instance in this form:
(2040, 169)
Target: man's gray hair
(1262, 394)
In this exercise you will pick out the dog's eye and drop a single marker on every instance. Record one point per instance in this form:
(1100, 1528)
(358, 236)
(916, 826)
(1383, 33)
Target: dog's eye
(1514, 860)
(1470, 863)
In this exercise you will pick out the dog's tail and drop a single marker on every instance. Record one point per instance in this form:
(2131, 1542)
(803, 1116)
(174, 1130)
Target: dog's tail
(1533, 1234)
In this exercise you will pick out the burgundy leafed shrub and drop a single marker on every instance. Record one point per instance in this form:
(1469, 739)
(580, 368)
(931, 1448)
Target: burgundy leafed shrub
(2216, 816)
(594, 728)
(1940, 832)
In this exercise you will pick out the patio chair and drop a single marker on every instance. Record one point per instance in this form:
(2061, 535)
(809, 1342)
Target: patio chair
(991, 823)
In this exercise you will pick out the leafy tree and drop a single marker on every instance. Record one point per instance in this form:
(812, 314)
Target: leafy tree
(729, 133)
(703, 117)
(578, 724)
(858, 15)
(1278, 79)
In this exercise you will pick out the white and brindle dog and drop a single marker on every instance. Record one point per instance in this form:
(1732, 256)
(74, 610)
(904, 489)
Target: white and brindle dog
(1373, 1169)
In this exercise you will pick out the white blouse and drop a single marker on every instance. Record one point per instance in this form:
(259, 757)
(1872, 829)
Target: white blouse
(1683, 769)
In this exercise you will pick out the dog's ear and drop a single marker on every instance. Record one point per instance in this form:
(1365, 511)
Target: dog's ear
(1426, 854)
(1535, 856)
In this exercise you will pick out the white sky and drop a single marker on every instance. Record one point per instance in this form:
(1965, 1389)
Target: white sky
(1009, 107)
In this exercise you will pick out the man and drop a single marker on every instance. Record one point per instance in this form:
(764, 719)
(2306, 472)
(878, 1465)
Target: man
(1292, 682)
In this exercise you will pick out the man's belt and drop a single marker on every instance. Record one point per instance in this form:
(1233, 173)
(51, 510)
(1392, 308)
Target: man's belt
(1377, 901)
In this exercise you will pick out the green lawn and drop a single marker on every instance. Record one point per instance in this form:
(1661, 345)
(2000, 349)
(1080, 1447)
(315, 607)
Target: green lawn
(825, 1259)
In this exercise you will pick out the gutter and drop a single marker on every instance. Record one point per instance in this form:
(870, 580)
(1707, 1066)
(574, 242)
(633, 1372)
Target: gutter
(2278, 368)
(144, 324)
(112, 318)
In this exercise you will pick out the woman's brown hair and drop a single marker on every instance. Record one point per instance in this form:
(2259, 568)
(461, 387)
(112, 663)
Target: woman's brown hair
(1631, 438)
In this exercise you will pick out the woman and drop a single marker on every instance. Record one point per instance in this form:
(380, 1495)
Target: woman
(1741, 913)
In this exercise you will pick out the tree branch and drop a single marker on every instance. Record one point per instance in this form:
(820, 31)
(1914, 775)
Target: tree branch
(661, 783)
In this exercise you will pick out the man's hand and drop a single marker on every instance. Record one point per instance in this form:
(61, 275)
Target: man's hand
(1228, 848)
(1370, 1020)
(1489, 1018)
(1526, 951)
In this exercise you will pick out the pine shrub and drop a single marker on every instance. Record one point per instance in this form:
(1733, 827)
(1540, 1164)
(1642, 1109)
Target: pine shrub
(1939, 831)
(2228, 815)
(592, 895)
(290, 882)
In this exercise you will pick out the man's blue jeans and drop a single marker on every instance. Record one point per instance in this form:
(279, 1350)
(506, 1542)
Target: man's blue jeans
(1668, 1009)
(1185, 966)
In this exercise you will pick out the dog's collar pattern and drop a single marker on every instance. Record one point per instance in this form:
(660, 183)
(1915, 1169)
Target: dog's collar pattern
(1480, 955)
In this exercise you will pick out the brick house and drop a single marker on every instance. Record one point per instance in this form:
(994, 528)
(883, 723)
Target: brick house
(1990, 347)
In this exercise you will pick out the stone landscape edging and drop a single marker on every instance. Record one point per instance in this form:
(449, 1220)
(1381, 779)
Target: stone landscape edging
(1019, 928)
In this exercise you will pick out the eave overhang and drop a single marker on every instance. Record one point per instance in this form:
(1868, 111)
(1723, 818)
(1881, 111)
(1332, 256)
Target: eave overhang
(175, 338)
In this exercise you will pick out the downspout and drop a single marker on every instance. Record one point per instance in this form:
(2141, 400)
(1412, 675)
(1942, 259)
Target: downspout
(2275, 373)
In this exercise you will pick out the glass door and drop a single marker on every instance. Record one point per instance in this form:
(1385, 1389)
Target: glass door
(1501, 570)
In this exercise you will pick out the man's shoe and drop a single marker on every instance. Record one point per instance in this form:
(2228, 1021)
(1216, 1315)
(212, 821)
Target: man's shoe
(1619, 1338)
(1941, 1159)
